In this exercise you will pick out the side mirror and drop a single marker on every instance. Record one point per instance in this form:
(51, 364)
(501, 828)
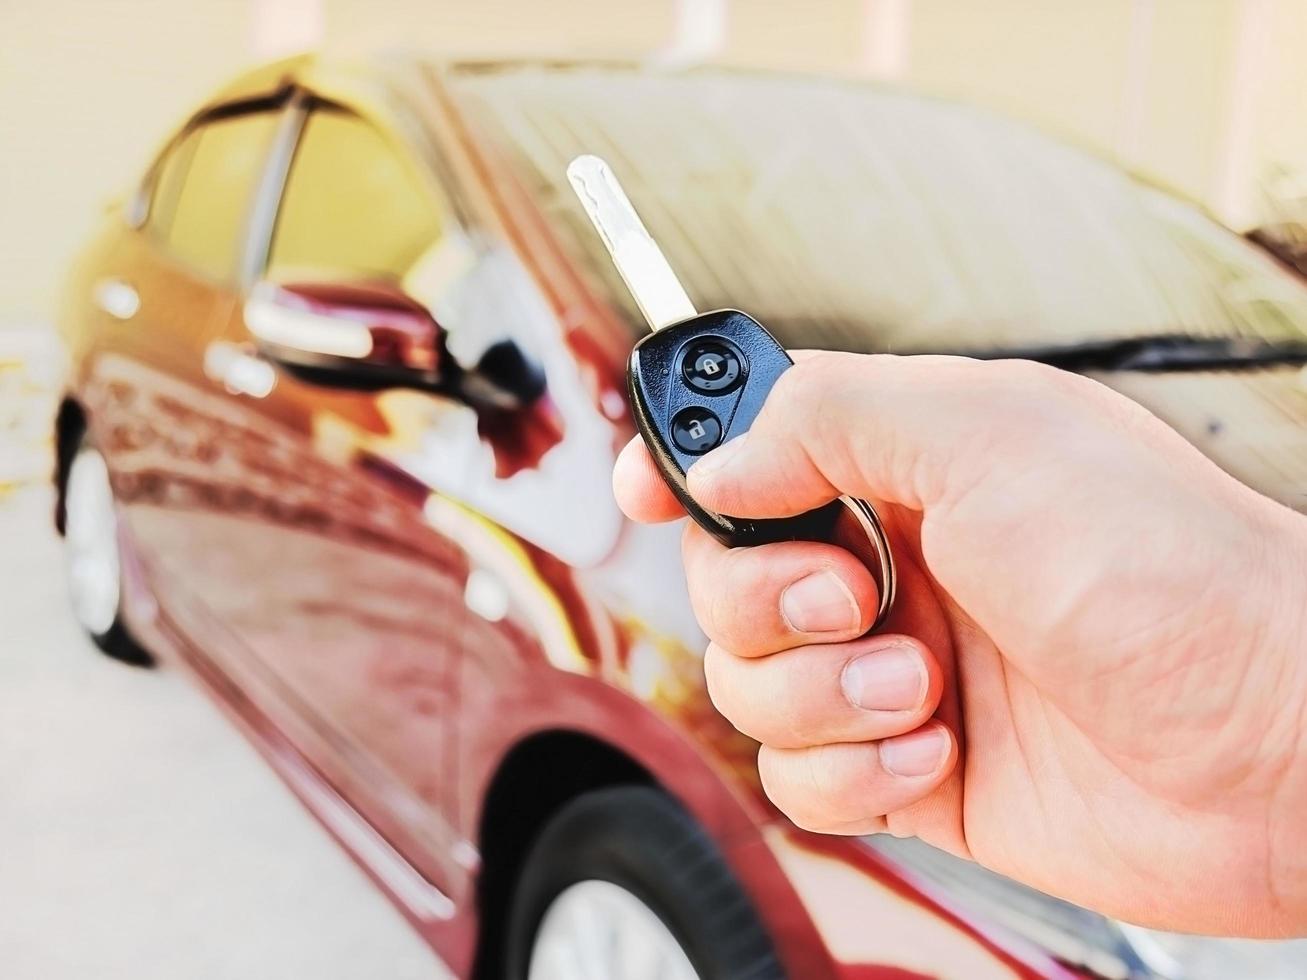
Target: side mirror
(351, 335)
(370, 336)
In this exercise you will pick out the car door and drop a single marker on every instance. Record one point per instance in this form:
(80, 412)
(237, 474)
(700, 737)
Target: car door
(159, 291)
(324, 588)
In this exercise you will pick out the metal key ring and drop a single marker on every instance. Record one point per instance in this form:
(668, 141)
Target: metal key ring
(871, 525)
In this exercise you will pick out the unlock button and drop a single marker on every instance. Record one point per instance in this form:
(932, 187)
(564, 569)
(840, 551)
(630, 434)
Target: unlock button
(696, 430)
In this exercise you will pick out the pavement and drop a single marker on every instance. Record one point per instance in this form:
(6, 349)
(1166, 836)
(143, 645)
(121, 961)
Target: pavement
(141, 836)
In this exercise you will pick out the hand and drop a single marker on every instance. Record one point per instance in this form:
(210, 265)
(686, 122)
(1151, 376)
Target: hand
(1095, 680)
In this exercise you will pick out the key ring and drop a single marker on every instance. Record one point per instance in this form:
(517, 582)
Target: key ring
(874, 529)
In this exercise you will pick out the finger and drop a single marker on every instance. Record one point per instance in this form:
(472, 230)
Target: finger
(756, 601)
(639, 487)
(907, 430)
(850, 788)
(872, 688)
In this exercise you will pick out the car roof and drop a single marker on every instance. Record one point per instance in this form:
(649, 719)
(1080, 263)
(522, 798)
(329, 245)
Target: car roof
(326, 73)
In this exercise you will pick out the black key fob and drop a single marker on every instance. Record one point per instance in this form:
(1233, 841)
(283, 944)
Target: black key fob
(699, 383)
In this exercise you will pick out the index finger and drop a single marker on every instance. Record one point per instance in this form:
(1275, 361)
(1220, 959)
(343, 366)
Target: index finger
(639, 487)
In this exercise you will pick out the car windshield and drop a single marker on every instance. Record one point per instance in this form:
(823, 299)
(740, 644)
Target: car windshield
(849, 216)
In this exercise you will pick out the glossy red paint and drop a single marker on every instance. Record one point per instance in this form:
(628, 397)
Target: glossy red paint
(402, 331)
(390, 589)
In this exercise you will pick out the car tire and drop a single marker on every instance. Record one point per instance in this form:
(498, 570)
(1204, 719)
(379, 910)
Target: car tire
(626, 874)
(92, 562)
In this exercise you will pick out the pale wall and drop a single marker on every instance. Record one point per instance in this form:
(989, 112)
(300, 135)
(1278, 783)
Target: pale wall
(87, 90)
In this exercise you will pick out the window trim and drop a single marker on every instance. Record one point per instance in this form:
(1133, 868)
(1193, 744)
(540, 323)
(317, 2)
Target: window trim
(266, 203)
(282, 106)
(305, 104)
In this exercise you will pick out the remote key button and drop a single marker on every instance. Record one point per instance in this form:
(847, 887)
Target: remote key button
(696, 430)
(711, 367)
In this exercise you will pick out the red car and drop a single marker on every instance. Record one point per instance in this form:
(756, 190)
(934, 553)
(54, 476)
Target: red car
(347, 389)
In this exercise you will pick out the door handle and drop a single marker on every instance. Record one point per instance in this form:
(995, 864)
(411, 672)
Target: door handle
(238, 369)
(117, 297)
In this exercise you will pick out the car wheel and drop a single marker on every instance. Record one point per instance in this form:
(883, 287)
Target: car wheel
(624, 884)
(91, 559)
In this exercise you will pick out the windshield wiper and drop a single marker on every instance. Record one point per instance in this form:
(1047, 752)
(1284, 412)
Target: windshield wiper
(1158, 353)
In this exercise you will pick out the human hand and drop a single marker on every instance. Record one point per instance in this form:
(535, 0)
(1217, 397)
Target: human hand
(1095, 679)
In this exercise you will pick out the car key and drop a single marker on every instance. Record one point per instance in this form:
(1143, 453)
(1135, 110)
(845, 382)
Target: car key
(700, 379)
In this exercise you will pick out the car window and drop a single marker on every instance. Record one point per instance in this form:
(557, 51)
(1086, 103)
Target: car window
(353, 206)
(204, 189)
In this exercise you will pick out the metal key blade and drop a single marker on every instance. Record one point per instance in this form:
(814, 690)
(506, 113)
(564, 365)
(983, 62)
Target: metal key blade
(642, 265)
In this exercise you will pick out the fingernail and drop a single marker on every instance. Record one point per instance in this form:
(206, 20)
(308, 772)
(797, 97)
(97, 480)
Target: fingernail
(919, 753)
(820, 603)
(892, 679)
(719, 457)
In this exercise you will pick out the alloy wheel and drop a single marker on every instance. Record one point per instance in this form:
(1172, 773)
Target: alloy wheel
(91, 543)
(596, 930)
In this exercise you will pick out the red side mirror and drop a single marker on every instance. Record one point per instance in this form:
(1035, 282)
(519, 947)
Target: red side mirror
(365, 332)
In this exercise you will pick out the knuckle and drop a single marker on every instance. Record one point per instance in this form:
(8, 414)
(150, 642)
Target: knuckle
(812, 787)
(732, 688)
(797, 715)
(775, 772)
(800, 386)
(722, 611)
(802, 390)
(711, 596)
(801, 379)
(719, 677)
(789, 728)
(1052, 386)
(780, 701)
(827, 783)
(741, 709)
(1064, 400)
(736, 603)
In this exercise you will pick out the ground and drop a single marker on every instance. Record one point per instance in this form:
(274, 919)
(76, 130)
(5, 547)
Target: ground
(143, 838)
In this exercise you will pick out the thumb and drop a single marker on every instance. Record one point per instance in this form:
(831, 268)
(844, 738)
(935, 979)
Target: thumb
(906, 430)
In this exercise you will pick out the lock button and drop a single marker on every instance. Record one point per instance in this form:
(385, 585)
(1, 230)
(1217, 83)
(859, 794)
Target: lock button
(696, 430)
(712, 366)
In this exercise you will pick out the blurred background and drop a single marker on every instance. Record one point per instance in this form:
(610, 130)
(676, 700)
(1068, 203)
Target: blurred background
(1201, 96)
